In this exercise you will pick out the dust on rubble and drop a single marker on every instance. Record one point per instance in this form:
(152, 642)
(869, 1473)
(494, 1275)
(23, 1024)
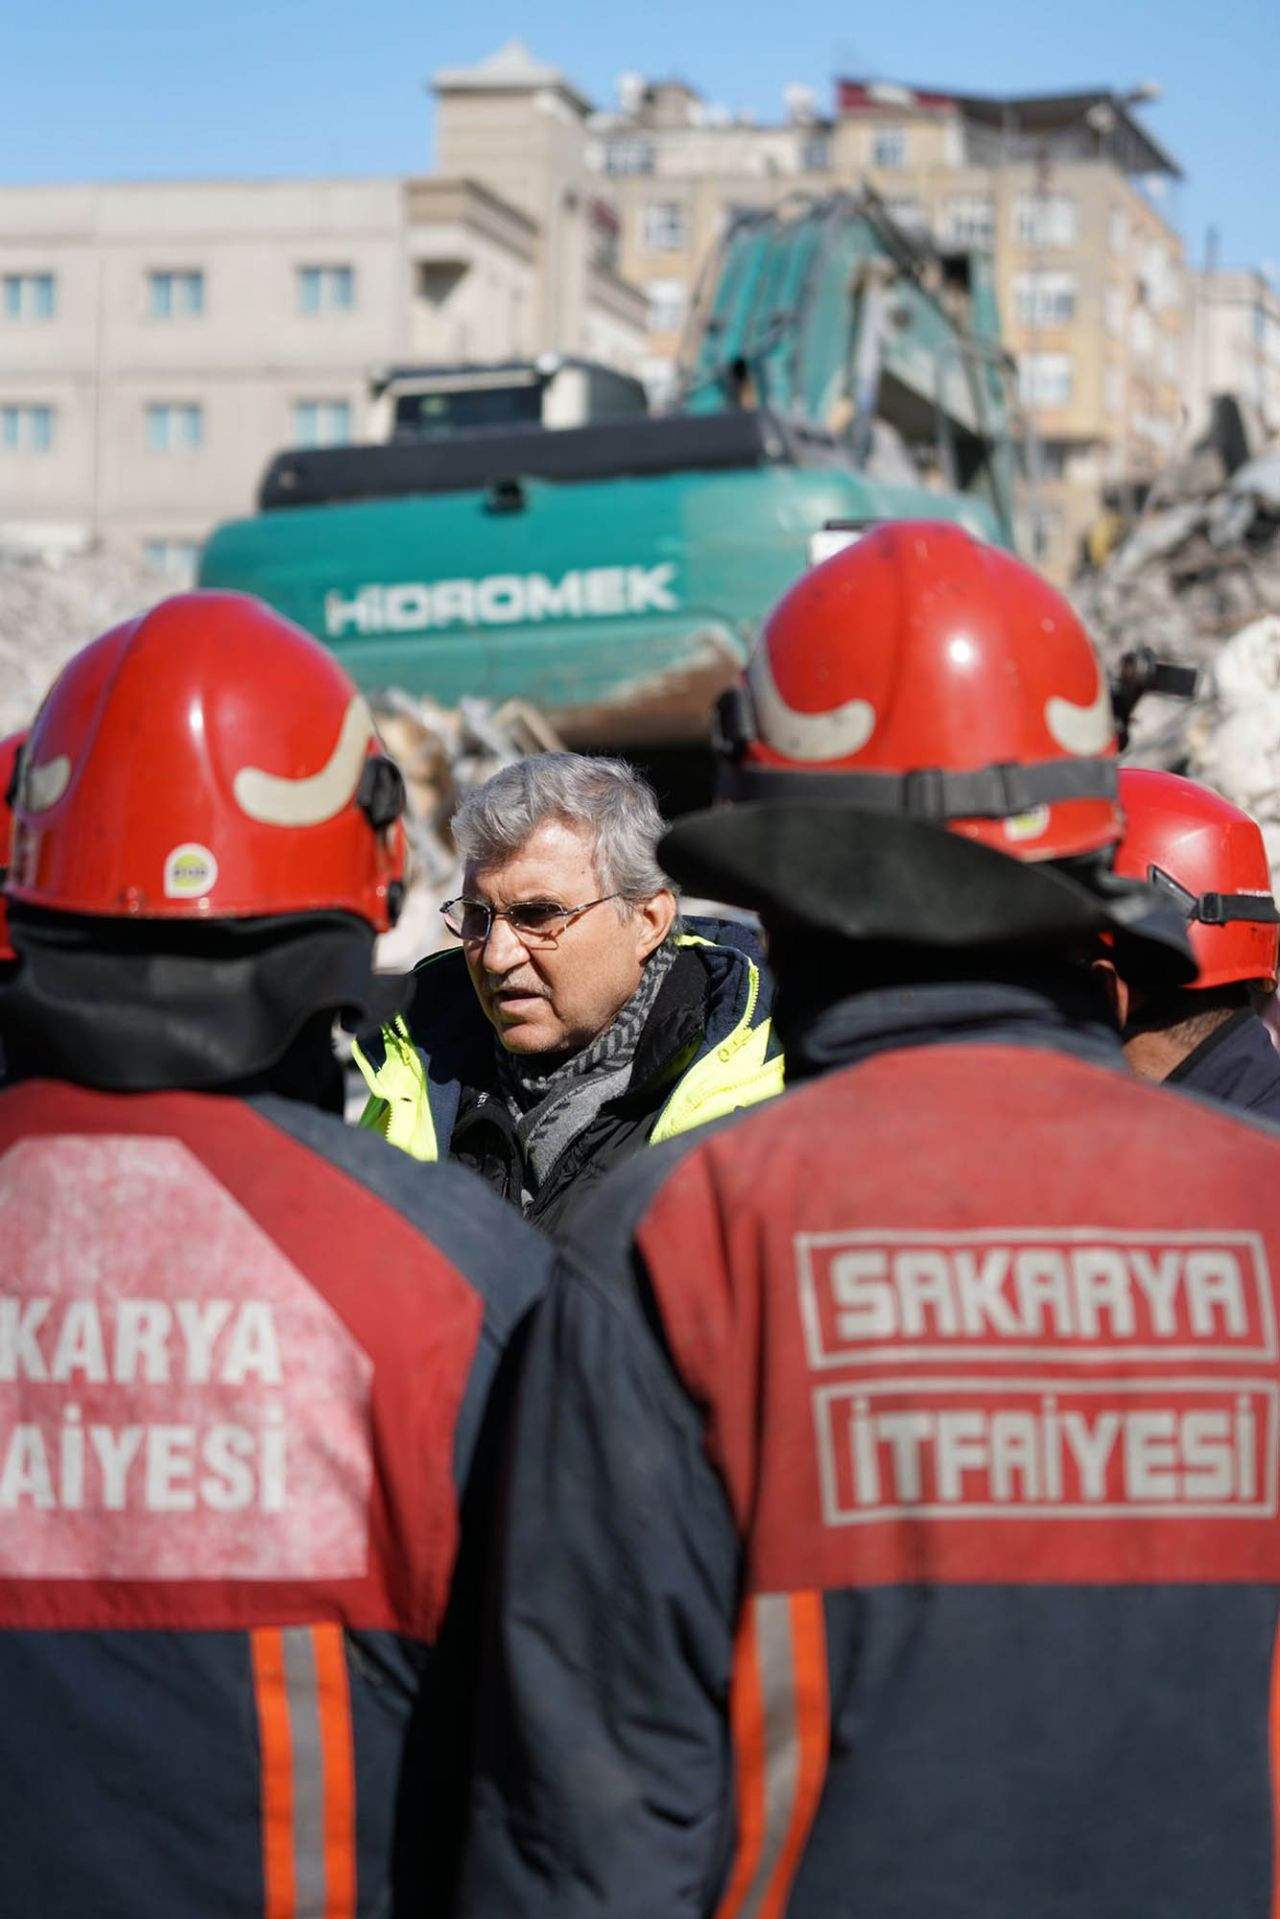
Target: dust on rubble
(1196, 577)
(50, 606)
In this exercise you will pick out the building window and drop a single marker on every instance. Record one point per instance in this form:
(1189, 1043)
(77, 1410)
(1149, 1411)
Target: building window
(604, 235)
(1142, 333)
(321, 423)
(1044, 220)
(815, 154)
(628, 156)
(172, 295)
(29, 296)
(1113, 311)
(665, 227)
(1045, 379)
(1169, 359)
(1044, 299)
(1118, 230)
(666, 305)
(326, 289)
(175, 558)
(1054, 455)
(1112, 390)
(26, 429)
(174, 428)
(1159, 278)
(889, 147)
(969, 220)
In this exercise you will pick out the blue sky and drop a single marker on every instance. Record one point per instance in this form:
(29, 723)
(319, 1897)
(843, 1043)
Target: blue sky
(138, 89)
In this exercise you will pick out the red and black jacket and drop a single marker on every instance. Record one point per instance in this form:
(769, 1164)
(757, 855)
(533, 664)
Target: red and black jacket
(893, 1523)
(251, 1365)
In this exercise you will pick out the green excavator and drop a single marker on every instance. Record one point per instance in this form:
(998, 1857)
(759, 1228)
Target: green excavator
(612, 571)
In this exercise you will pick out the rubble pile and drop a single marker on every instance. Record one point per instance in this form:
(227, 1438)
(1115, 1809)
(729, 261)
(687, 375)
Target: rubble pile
(1197, 580)
(444, 752)
(52, 604)
(1232, 733)
(1202, 562)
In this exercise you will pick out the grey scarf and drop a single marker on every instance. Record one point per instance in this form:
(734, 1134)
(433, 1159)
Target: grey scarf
(552, 1108)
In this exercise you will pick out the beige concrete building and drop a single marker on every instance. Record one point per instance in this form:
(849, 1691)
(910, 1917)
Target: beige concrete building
(519, 127)
(1233, 344)
(1059, 188)
(675, 168)
(1090, 274)
(158, 343)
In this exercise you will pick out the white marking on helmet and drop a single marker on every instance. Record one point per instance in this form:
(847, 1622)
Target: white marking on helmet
(834, 735)
(1081, 729)
(43, 786)
(275, 800)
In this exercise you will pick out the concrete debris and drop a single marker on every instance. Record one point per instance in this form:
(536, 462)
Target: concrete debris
(1194, 477)
(444, 753)
(1232, 734)
(1191, 573)
(52, 604)
(1197, 579)
(1230, 517)
(1154, 537)
(1260, 480)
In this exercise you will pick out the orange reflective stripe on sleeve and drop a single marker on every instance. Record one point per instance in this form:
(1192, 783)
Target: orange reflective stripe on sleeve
(746, 1724)
(780, 1717)
(276, 1763)
(334, 1701)
(308, 1772)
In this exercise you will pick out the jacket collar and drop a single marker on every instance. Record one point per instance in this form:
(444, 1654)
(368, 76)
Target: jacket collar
(444, 1017)
(1236, 1063)
(1062, 1016)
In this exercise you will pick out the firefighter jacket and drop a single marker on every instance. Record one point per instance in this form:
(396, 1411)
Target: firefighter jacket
(707, 1049)
(1236, 1064)
(250, 1369)
(892, 1524)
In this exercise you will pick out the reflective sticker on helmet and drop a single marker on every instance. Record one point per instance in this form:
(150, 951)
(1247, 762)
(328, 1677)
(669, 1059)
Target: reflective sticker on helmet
(836, 734)
(1027, 826)
(1081, 729)
(275, 800)
(189, 872)
(44, 786)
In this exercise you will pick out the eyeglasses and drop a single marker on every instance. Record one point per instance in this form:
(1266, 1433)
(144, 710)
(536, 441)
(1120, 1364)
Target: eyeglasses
(534, 922)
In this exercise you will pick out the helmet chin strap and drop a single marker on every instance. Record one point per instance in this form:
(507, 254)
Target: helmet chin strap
(933, 792)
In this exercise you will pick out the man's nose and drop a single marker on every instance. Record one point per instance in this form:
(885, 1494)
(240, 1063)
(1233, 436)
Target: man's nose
(501, 950)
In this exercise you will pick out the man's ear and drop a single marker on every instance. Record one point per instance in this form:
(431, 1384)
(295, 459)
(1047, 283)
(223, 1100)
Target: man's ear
(1119, 996)
(654, 919)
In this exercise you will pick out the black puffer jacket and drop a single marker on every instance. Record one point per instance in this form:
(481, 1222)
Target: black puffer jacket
(707, 1049)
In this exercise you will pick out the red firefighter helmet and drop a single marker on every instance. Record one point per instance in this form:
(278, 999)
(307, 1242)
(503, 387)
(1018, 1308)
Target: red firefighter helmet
(1210, 859)
(922, 672)
(9, 751)
(207, 760)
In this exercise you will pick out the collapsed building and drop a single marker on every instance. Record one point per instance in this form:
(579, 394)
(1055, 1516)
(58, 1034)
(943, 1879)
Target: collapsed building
(1195, 577)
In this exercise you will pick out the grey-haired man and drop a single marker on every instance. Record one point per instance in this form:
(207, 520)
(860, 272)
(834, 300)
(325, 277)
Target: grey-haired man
(582, 1017)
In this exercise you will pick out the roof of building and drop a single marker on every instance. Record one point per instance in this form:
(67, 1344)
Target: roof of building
(511, 69)
(1024, 113)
